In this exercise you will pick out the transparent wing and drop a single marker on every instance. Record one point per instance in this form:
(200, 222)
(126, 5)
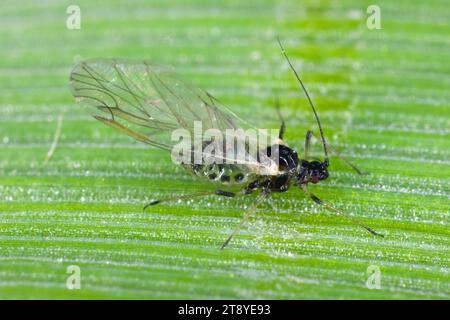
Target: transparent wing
(149, 102)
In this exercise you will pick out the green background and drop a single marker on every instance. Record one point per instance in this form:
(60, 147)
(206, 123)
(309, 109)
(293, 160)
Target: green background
(383, 99)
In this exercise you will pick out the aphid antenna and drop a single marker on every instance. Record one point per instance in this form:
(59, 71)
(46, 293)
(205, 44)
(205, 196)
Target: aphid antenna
(325, 148)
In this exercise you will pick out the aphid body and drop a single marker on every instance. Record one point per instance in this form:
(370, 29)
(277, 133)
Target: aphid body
(149, 103)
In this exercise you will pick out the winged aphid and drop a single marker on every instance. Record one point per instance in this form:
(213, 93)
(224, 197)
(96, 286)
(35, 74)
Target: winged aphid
(149, 103)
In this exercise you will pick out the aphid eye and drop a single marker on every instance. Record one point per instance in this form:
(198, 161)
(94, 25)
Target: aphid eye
(239, 177)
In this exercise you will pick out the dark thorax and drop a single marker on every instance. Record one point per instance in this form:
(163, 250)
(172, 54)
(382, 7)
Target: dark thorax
(294, 170)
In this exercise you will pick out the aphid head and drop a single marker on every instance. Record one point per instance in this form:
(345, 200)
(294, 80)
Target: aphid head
(312, 171)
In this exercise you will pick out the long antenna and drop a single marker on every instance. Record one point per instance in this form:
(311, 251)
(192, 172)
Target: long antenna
(325, 149)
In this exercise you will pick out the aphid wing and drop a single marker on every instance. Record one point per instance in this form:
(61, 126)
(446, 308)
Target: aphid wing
(149, 102)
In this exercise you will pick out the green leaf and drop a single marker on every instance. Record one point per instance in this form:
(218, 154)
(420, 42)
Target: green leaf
(382, 96)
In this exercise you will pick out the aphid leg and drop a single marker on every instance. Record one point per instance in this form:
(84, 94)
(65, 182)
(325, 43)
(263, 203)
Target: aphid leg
(264, 194)
(331, 208)
(308, 143)
(225, 193)
(192, 195)
(283, 124)
(338, 155)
